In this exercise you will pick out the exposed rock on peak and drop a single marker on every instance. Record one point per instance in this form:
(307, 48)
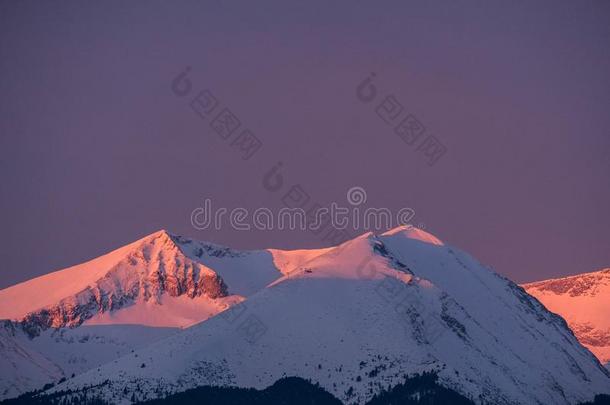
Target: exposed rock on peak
(152, 267)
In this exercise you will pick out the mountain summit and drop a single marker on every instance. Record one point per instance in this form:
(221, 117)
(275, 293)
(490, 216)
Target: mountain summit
(74, 319)
(354, 318)
(584, 301)
(149, 271)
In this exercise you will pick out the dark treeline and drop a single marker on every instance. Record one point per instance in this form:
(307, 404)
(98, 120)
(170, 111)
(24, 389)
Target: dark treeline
(417, 390)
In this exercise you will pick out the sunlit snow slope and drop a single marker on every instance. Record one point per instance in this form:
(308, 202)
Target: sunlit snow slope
(583, 301)
(159, 280)
(357, 318)
(121, 301)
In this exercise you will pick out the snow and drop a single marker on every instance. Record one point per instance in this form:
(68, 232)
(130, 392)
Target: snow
(376, 307)
(288, 261)
(411, 232)
(28, 364)
(23, 369)
(48, 357)
(137, 265)
(23, 298)
(36, 361)
(179, 312)
(245, 272)
(584, 302)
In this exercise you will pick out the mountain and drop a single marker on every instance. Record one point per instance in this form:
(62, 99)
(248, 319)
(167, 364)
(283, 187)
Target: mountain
(75, 319)
(29, 363)
(128, 285)
(22, 368)
(357, 319)
(583, 301)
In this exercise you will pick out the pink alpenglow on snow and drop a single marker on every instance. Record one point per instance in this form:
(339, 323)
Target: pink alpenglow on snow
(583, 301)
(400, 302)
(402, 296)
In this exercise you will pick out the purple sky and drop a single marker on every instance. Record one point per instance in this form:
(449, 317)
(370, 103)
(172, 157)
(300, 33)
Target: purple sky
(96, 151)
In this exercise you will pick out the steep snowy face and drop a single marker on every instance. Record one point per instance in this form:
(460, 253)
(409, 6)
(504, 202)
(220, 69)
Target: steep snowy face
(30, 363)
(357, 318)
(122, 301)
(584, 302)
(159, 280)
(23, 369)
(144, 271)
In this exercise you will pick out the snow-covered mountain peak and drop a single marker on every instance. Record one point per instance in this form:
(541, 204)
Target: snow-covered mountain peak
(360, 316)
(576, 285)
(162, 279)
(411, 232)
(584, 301)
(399, 302)
(362, 258)
(161, 233)
(160, 268)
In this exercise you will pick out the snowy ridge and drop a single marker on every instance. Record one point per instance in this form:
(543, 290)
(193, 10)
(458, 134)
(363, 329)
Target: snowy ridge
(143, 271)
(23, 369)
(584, 301)
(30, 363)
(160, 269)
(357, 318)
(150, 287)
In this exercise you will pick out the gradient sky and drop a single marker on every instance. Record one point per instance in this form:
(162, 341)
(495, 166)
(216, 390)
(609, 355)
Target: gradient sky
(96, 151)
